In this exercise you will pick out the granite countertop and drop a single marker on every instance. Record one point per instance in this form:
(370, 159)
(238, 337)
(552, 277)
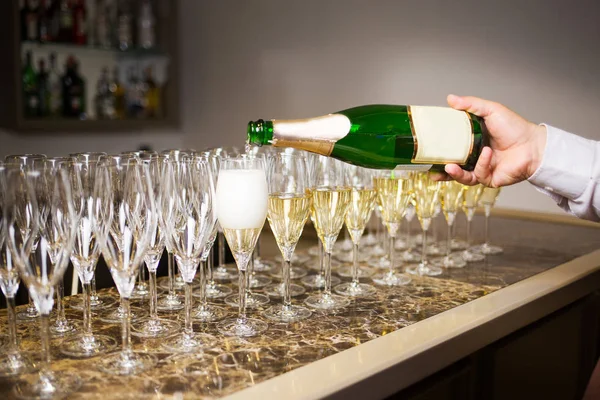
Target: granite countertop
(236, 364)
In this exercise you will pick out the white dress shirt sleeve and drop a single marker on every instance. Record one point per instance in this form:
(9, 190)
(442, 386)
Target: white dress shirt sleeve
(570, 173)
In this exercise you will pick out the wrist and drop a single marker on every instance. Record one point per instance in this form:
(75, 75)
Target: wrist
(538, 147)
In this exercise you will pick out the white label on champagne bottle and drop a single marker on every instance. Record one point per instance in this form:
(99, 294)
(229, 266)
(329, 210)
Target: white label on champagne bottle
(442, 135)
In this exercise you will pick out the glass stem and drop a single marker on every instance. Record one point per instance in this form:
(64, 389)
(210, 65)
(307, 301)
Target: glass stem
(242, 300)
(170, 263)
(60, 309)
(45, 342)
(449, 240)
(93, 293)
(87, 309)
(188, 330)
(209, 268)
(469, 219)
(355, 264)
(250, 272)
(391, 251)
(153, 294)
(321, 260)
(221, 239)
(126, 327)
(408, 237)
(13, 344)
(424, 246)
(487, 208)
(203, 271)
(141, 277)
(327, 262)
(257, 249)
(287, 298)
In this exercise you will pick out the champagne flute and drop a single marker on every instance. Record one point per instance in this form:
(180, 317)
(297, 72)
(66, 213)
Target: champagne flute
(409, 255)
(126, 212)
(189, 220)
(242, 197)
(154, 326)
(330, 202)
(487, 201)
(426, 192)
(470, 199)
(288, 209)
(45, 198)
(362, 202)
(452, 197)
(393, 190)
(12, 362)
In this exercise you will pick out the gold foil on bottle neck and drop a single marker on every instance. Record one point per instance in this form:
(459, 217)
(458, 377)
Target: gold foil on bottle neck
(321, 147)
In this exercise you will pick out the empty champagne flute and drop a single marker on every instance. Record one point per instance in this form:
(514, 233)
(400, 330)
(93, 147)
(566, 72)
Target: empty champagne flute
(242, 197)
(126, 212)
(452, 197)
(426, 192)
(394, 191)
(487, 201)
(189, 221)
(362, 202)
(471, 196)
(330, 202)
(44, 198)
(288, 209)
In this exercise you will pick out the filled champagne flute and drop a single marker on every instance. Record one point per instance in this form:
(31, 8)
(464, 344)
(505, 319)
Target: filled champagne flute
(452, 197)
(487, 201)
(288, 210)
(330, 202)
(409, 254)
(242, 198)
(426, 192)
(362, 202)
(125, 215)
(12, 361)
(394, 191)
(45, 198)
(471, 196)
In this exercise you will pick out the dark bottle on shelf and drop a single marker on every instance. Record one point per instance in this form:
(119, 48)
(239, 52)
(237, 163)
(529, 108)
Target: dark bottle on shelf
(31, 102)
(53, 12)
(45, 15)
(151, 95)
(135, 95)
(65, 22)
(79, 23)
(54, 88)
(31, 19)
(117, 92)
(43, 90)
(103, 100)
(146, 37)
(124, 25)
(103, 37)
(73, 91)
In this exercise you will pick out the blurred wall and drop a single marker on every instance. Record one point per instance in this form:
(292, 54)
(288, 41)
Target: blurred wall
(285, 59)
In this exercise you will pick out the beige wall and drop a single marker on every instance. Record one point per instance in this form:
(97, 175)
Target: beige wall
(271, 58)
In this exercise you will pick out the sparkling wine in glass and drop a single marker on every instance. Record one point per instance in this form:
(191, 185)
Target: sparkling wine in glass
(451, 194)
(487, 201)
(470, 199)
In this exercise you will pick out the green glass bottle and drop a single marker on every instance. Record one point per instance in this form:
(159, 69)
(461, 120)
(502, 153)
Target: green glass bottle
(381, 136)
(31, 104)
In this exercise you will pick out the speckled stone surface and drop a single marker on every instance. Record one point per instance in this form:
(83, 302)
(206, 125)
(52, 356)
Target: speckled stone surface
(233, 364)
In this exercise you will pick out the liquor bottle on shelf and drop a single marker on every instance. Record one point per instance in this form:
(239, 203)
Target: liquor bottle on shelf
(104, 100)
(79, 23)
(151, 95)
(30, 89)
(54, 19)
(135, 95)
(118, 95)
(124, 25)
(43, 90)
(73, 91)
(45, 21)
(146, 20)
(31, 19)
(55, 88)
(65, 22)
(381, 136)
(103, 26)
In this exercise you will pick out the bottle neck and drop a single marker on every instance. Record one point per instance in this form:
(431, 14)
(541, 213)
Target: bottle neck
(260, 132)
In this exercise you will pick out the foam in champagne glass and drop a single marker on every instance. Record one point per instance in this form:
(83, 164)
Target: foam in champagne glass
(247, 211)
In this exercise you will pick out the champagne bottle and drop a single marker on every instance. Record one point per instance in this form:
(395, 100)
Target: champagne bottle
(381, 136)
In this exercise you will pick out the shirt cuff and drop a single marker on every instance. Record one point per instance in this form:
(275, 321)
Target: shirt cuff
(566, 166)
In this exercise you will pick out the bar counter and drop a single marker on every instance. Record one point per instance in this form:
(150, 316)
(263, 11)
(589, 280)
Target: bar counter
(453, 333)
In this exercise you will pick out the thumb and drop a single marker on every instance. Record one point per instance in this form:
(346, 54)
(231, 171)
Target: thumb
(474, 105)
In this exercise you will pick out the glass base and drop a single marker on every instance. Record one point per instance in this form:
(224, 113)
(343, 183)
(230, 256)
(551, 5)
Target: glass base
(259, 281)
(216, 291)
(49, 385)
(401, 244)
(184, 343)
(140, 292)
(228, 272)
(116, 316)
(452, 261)
(410, 256)
(391, 279)
(377, 251)
(63, 328)
(170, 303)
(253, 300)
(276, 290)
(261, 265)
(126, 363)
(355, 290)
(379, 262)
(295, 273)
(30, 314)
(209, 314)
(82, 346)
(327, 302)
(242, 327)
(488, 249)
(314, 251)
(178, 283)
(363, 272)
(458, 244)
(291, 313)
(471, 256)
(424, 270)
(15, 364)
(318, 281)
(436, 250)
(153, 328)
(100, 303)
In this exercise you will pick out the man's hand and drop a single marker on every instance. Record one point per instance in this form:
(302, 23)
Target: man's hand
(516, 146)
